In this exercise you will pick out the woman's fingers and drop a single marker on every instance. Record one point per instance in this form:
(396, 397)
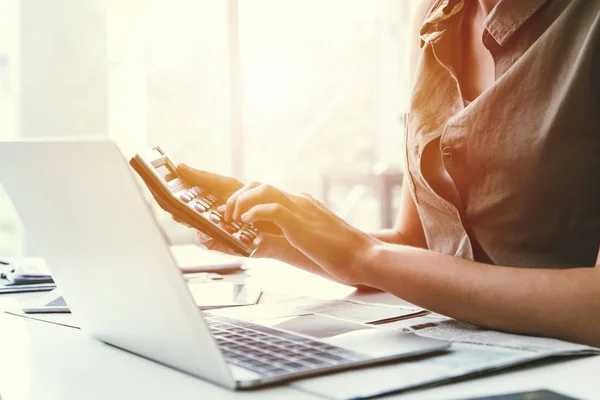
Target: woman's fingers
(271, 212)
(232, 200)
(224, 185)
(263, 194)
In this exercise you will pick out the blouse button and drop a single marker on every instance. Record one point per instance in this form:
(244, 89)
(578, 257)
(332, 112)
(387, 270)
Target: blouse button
(448, 152)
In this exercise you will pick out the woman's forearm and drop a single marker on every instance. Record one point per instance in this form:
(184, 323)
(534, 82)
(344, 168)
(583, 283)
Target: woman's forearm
(289, 254)
(558, 303)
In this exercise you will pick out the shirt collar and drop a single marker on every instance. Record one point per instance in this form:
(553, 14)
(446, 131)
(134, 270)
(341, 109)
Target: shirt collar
(502, 22)
(441, 11)
(508, 16)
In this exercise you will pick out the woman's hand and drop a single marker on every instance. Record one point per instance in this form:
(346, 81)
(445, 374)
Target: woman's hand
(306, 224)
(225, 186)
(296, 229)
(222, 185)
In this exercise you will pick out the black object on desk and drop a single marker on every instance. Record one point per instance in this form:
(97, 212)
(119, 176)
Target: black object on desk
(15, 279)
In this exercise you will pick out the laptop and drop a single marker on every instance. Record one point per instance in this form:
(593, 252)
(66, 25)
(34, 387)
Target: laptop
(90, 221)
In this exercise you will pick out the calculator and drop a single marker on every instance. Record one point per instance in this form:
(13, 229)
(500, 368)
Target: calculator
(191, 204)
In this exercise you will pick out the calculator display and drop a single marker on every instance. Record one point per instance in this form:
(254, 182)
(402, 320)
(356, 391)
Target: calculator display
(166, 172)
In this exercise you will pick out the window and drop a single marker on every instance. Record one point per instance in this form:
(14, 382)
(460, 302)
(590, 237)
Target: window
(322, 86)
(10, 238)
(325, 85)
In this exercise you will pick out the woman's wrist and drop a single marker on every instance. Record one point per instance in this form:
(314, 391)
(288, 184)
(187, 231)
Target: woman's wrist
(364, 251)
(376, 260)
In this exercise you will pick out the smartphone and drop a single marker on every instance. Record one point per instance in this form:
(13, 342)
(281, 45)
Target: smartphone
(192, 204)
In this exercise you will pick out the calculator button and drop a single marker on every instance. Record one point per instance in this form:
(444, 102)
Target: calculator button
(212, 197)
(200, 207)
(230, 229)
(185, 197)
(250, 233)
(214, 218)
(196, 190)
(246, 239)
(236, 225)
(204, 203)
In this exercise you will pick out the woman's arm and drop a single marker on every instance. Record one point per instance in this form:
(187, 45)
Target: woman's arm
(557, 303)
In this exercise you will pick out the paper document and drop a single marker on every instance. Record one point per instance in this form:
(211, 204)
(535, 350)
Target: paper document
(474, 351)
(344, 309)
(363, 312)
(461, 332)
(403, 375)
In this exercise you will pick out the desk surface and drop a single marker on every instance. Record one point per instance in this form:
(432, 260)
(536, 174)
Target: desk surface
(45, 361)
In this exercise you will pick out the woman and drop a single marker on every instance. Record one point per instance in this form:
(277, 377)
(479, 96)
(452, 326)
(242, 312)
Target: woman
(499, 223)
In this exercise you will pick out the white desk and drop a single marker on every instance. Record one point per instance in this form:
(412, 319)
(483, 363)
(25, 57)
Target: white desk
(45, 361)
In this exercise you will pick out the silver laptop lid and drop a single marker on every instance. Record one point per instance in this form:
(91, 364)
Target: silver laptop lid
(83, 209)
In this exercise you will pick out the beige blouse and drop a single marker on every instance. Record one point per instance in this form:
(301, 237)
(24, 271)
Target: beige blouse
(524, 157)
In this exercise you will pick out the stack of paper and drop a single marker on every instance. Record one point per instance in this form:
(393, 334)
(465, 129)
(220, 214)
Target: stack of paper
(474, 351)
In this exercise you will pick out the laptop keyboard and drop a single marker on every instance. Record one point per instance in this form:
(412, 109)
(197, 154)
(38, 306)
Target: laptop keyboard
(271, 352)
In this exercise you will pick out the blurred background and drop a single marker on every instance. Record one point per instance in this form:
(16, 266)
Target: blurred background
(304, 94)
